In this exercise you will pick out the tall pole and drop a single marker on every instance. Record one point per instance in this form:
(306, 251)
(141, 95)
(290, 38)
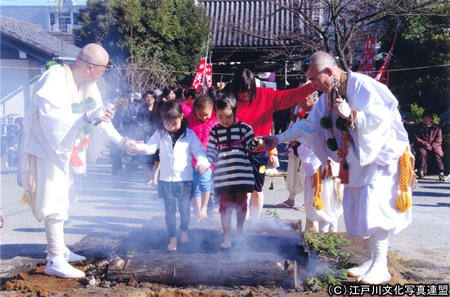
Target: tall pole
(206, 62)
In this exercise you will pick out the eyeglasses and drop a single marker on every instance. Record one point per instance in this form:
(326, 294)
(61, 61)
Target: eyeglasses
(107, 66)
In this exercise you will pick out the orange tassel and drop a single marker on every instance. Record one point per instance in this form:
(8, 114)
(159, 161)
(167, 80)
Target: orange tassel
(317, 183)
(30, 188)
(74, 157)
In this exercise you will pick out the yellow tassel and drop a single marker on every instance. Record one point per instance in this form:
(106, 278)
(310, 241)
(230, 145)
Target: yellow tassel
(317, 183)
(403, 202)
(32, 160)
(30, 188)
(25, 197)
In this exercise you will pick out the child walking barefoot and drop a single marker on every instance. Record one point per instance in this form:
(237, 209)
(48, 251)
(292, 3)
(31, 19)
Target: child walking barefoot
(229, 144)
(176, 144)
(201, 120)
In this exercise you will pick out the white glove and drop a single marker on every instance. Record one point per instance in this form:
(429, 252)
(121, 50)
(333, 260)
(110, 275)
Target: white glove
(95, 114)
(344, 109)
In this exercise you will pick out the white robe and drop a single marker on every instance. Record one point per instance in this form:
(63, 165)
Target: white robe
(379, 140)
(295, 175)
(332, 206)
(50, 132)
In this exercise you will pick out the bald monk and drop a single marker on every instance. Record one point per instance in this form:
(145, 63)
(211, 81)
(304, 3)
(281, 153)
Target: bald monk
(65, 127)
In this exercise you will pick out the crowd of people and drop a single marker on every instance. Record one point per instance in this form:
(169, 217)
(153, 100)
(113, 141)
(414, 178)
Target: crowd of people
(425, 139)
(348, 155)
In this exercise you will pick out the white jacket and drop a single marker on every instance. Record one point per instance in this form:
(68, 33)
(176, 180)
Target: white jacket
(176, 162)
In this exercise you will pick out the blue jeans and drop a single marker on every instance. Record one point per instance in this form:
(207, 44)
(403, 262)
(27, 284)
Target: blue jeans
(176, 193)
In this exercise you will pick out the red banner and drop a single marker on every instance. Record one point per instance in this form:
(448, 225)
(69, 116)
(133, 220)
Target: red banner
(367, 57)
(208, 75)
(385, 65)
(204, 73)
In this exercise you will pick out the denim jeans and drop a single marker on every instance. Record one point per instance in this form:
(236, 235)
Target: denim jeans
(176, 194)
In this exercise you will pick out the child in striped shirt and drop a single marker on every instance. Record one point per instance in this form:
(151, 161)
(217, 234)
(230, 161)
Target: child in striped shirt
(229, 144)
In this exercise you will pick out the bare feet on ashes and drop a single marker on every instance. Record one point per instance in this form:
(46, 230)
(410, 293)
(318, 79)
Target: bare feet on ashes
(172, 244)
(240, 236)
(184, 237)
(226, 241)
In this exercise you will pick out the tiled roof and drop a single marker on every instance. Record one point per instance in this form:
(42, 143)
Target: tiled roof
(36, 38)
(265, 20)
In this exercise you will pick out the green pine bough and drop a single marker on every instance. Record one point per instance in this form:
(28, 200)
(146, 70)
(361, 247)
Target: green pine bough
(326, 247)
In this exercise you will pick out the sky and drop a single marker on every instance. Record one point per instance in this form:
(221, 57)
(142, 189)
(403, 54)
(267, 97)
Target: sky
(34, 2)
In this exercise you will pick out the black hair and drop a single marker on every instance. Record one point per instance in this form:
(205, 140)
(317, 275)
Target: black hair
(149, 92)
(19, 120)
(212, 92)
(427, 113)
(167, 111)
(243, 81)
(179, 93)
(194, 93)
(202, 102)
(167, 91)
(225, 100)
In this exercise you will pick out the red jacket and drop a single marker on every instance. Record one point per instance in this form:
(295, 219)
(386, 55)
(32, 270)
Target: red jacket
(259, 113)
(431, 135)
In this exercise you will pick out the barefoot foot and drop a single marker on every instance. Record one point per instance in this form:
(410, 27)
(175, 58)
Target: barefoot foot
(184, 237)
(240, 236)
(226, 241)
(172, 244)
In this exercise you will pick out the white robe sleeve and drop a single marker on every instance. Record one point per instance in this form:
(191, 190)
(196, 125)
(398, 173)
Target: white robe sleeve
(309, 133)
(379, 134)
(99, 138)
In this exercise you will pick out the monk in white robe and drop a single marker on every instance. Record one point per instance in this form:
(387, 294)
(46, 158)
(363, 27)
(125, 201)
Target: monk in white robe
(65, 125)
(376, 141)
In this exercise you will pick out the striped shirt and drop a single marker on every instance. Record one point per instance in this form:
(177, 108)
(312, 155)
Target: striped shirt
(229, 149)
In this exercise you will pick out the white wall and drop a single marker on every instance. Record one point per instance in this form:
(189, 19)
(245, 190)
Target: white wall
(16, 86)
(38, 15)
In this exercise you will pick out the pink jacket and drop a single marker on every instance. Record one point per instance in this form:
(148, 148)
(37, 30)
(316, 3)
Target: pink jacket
(186, 109)
(201, 129)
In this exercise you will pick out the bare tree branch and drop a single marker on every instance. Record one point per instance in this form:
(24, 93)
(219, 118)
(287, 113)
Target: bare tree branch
(141, 74)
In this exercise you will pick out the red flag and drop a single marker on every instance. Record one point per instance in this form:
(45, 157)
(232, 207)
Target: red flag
(367, 57)
(198, 78)
(204, 72)
(385, 65)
